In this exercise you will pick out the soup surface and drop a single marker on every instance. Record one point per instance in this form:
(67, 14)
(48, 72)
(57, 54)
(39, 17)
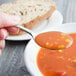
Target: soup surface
(58, 62)
(53, 40)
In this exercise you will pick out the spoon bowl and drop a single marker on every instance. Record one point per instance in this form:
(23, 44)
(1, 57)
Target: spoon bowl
(54, 40)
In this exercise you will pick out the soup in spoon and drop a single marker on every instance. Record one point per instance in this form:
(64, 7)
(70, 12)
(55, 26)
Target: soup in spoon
(54, 40)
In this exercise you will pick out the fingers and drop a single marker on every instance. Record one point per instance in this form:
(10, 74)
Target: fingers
(8, 20)
(12, 29)
(2, 44)
(3, 34)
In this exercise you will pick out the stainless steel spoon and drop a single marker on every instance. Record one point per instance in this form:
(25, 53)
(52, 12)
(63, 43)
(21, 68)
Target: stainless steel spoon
(33, 35)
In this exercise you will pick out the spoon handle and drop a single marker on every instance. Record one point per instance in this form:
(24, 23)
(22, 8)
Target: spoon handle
(26, 30)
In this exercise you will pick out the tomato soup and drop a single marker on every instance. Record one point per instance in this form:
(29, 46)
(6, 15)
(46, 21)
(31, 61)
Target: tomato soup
(58, 62)
(53, 40)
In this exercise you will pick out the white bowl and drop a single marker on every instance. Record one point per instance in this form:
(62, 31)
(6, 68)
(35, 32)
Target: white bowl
(32, 48)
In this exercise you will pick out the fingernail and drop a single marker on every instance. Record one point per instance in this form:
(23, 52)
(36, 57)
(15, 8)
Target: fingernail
(16, 18)
(9, 20)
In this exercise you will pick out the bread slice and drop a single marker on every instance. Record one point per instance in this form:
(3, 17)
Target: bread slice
(32, 12)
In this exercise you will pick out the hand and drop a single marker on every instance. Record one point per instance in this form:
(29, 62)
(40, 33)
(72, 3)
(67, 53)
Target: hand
(7, 24)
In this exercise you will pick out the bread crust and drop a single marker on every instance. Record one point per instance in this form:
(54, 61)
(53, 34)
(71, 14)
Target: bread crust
(39, 19)
(30, 25)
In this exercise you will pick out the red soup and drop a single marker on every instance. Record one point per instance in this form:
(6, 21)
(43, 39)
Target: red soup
(58, 62)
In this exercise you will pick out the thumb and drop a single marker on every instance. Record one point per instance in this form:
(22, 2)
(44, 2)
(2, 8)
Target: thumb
(8, 20)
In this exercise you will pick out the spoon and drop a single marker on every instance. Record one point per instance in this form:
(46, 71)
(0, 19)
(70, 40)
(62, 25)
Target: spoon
(52, 40)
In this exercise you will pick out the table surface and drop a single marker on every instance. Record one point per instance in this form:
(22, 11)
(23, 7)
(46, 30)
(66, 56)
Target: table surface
(11, 61)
